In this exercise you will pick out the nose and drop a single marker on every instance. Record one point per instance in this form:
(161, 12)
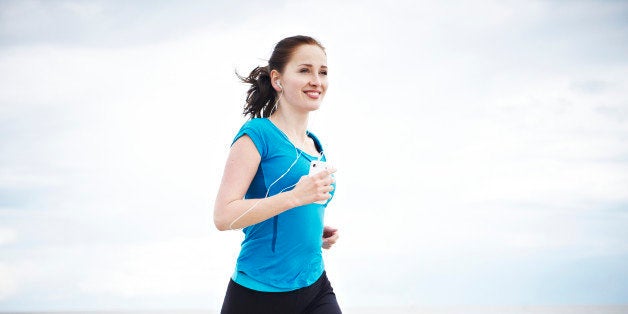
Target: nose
(315, 80)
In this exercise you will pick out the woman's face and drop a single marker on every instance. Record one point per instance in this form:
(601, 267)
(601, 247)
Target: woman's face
(304, 79)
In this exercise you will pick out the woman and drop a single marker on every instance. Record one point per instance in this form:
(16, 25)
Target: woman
(267, 192)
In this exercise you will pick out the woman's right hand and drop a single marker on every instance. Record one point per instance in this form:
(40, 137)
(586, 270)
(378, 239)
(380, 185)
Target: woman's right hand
(314, 188)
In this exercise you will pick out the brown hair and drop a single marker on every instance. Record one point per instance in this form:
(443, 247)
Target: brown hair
(261, 96)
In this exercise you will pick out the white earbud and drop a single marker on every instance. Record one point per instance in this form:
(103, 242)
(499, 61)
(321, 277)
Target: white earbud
(279, 84)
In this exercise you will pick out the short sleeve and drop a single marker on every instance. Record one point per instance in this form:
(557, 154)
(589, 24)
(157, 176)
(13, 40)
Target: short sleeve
(254, 130)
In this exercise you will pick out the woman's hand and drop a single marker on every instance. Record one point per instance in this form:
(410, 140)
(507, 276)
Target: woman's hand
(314, 188)
(330, 236)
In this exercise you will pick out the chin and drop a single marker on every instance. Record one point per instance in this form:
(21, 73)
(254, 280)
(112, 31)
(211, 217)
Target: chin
(314, 107)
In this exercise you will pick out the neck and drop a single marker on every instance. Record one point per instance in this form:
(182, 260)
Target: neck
(294, 126)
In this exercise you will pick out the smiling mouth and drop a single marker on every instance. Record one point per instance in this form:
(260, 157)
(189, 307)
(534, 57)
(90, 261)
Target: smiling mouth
(313, 94)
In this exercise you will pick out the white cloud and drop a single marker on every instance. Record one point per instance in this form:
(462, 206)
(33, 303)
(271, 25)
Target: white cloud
(458, 130)
(7, 284)
(7, 236)
(176, 267)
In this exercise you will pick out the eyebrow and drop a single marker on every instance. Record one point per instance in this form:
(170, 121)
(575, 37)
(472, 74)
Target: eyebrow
(309, 65)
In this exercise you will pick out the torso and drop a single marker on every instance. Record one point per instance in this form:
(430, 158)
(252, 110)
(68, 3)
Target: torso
(282, 253)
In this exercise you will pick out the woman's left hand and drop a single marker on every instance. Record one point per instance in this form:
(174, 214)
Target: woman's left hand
(330, 236)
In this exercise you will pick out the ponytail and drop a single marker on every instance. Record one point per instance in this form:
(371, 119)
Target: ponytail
(261, 96)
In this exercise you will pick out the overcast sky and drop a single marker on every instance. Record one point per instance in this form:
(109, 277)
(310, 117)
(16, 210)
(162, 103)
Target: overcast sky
(481, 147)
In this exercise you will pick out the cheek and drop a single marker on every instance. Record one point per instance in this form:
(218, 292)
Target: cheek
(293, 86)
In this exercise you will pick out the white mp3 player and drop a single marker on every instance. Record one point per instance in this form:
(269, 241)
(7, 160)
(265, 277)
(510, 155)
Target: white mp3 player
(317, 166)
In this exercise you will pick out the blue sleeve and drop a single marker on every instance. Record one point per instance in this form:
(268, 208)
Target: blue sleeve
(255, 131)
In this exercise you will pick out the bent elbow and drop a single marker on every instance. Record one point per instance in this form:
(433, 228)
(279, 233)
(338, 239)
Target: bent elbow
(219, 222)
(221, 226)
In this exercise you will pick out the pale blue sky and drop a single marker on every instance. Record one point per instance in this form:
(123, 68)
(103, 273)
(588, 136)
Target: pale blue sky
(482, 149)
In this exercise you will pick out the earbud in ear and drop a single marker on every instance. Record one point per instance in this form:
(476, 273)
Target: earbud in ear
(279, 84)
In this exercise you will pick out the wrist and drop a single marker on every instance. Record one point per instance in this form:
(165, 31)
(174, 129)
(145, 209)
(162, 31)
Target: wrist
(292, 199)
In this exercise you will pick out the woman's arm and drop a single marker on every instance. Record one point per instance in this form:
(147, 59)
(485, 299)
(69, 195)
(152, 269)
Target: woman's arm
(231, 211)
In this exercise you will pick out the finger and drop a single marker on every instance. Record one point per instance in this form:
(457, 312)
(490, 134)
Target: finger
(324, 192)
(329, 231)
(333, 238)
(330, 239)
(323, 174)
(328, 244)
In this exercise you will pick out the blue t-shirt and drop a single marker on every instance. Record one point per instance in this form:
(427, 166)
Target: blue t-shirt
(282, 253)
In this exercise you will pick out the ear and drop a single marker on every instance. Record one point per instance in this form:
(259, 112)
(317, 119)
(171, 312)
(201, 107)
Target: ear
(274, 77)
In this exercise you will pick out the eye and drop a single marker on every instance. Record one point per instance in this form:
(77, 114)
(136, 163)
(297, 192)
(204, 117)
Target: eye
(304, 70)
(323, 72)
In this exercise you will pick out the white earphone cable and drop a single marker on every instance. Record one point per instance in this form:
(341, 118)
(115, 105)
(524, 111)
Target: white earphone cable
(298, 154)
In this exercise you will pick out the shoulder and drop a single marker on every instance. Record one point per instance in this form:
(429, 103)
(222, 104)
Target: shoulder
(257, 130)
(257, 126)
(257, 123)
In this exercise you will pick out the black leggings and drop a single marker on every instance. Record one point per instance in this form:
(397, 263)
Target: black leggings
(318, 298)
